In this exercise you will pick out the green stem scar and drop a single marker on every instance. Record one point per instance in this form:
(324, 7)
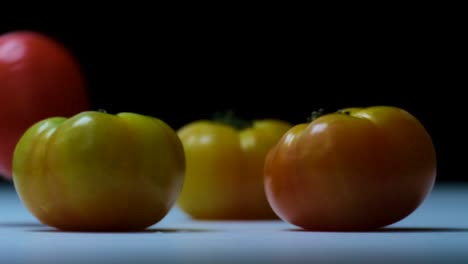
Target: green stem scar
(321, 112)
(316, 114)
(230, 118)
(344, 112)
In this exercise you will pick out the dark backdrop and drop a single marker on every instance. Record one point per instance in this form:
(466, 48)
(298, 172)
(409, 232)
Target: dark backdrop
(185, 69)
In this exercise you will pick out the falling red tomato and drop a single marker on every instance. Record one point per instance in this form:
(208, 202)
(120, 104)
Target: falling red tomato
(39, 78)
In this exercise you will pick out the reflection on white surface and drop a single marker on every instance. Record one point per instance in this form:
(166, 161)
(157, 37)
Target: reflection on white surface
(435, 233)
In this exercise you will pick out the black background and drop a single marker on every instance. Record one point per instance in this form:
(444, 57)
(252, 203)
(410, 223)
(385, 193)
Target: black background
(183, 68)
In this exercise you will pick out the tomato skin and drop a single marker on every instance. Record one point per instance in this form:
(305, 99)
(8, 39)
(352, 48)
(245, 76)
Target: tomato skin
(363, 170)
(39, 78)
(224, 177)
(99, 172)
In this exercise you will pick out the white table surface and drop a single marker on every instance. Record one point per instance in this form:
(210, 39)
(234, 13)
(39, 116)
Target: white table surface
(437, 232)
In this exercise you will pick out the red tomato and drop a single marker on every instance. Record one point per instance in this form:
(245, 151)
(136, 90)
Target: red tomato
(39, 78)
(356, 169)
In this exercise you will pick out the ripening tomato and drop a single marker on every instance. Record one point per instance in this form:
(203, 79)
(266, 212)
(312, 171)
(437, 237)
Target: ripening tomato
(99, 172)
(356, 169)
(224, 176)
(38, 78)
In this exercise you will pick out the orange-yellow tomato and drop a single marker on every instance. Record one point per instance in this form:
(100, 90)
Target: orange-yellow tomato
(99, 172)
(224, 176)
(356, 169)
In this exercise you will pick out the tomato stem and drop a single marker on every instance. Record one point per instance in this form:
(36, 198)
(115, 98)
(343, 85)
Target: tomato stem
(230, 118)
(316, 114)
(344, 112)
(320, 112)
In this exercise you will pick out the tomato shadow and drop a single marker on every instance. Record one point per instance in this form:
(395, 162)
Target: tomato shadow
(21, 224)
(393, 230)
(418, 230)
(237, 221)
(149, 230)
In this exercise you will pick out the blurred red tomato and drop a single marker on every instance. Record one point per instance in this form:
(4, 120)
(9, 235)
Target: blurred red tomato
(39, 78)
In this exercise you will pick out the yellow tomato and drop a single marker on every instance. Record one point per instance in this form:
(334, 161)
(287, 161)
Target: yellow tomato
(97, 171)
(224, 176)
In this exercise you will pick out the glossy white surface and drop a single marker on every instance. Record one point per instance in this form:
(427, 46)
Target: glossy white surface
(435, 233)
